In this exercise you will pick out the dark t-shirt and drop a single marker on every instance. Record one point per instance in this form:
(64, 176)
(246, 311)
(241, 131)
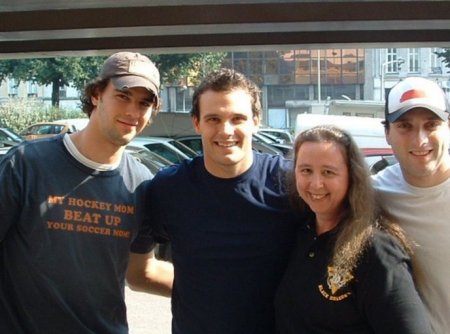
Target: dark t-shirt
(231, 240)
(65, 233)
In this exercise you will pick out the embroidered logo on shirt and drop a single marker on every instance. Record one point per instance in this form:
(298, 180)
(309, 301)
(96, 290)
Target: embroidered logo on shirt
(336, 281)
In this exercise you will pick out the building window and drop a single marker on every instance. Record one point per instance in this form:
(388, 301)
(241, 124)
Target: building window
(63, 92)
(12, 87)
(413, 60)
(31, 88)
(392, 61)
(435, 62)
(183, 98)
(337, 91)
(278, 95)
(287, 68)
(303, 66)
(294, 74)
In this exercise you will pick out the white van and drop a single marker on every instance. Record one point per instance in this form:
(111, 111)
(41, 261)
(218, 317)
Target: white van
(367, 132)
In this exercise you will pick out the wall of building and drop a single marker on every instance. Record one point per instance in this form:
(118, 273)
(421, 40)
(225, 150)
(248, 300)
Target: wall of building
(299, 81)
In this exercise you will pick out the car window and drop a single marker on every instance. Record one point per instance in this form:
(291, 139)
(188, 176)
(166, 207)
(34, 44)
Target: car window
(194, 144)
(378, 163)
(284, 136)
(274, 139)
(3, 136)
(183, 148)
(57, 129)
(146, 158)
(165, 152)
(42, 130)
(156, 157)
(9, 135)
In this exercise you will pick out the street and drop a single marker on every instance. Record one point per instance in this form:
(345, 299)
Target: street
(148, 314)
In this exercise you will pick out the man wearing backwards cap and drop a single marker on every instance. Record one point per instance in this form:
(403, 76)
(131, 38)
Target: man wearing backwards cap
(417, 190)
(63, 259)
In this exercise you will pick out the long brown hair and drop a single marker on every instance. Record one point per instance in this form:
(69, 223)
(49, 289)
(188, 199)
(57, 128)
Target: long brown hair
(362, 214)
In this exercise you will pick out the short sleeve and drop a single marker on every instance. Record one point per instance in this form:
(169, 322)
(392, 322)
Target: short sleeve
(151, 231)
(386, 293)
(9, 192)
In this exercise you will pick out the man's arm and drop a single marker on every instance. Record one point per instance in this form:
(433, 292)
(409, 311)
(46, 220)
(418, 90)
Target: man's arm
(148, 274)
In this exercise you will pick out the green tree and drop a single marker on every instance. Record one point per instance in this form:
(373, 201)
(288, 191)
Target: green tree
(77, 71)
(186, 68)
(57, 72)
(445, 55)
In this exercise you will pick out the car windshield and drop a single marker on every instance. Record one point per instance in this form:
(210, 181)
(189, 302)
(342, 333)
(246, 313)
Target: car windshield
(279, 135)
(165, 152)
(148, 159)
(43, 129)
(9, 135)
(183, 148)
(194, 144)
(270, 139)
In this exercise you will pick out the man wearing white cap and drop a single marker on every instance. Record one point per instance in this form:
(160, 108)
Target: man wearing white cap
(70, 208)
(417, 190)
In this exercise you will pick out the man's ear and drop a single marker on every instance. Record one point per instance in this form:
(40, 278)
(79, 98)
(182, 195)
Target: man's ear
(257, 122)
(95, 99)
(196, 125)
(386, 134)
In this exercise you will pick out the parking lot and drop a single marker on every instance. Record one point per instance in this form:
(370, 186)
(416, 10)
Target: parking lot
(148, 314)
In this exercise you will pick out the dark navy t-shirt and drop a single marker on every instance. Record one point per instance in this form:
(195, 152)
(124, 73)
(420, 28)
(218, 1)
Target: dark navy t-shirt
(230, 238)
(65, 235)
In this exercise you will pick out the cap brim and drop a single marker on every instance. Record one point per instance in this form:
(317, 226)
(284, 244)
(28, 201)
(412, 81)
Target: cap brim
(392, 117)
(130, 81)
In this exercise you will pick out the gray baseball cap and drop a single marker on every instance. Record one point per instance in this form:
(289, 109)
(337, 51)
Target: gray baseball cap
(131, 69)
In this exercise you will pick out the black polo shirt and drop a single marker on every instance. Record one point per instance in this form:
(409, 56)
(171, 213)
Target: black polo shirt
(377, 297)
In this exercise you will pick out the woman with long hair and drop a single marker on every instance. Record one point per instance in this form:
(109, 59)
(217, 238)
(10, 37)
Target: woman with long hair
(350, 271)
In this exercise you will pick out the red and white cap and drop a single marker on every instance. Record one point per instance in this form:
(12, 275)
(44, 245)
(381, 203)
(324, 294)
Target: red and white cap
(415, 92)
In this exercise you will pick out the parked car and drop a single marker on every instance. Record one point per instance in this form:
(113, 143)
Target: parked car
(378, 158)
(168, 148)
(49, 129)
(283, 135)
(151, 160)
(9, 136)
(194, 142)
(77, 123)
(286, 149)
(262, 147)
(8, 139)
(3, 150)
(366, 131)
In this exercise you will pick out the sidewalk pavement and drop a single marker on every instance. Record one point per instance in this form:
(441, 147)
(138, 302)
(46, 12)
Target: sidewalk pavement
(148, 314)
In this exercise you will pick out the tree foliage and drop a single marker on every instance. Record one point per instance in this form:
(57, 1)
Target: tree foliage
(17, 114)
(186, 69)
(175, 69)
(445, 55)
(57, 72)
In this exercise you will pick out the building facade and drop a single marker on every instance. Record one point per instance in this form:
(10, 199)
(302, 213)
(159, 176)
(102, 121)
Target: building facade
(335, 81)
(391, 65)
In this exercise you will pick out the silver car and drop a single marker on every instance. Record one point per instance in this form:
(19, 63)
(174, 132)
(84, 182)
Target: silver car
(168, 148)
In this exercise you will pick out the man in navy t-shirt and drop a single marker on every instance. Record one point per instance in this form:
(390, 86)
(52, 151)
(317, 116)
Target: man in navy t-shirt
(70, 207)
(226, 215)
